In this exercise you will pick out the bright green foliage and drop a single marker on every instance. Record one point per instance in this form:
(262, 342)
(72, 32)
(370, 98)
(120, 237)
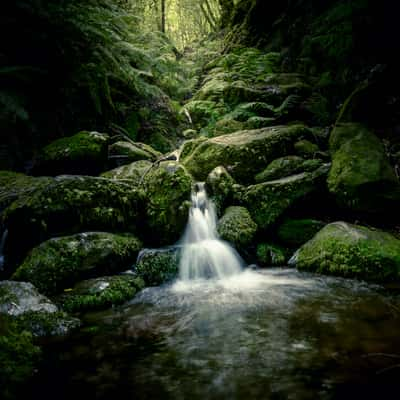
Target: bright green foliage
(270, 255)
(352, 251)
(61, 262)
(295, 232)
(237, 227)
(100, 293)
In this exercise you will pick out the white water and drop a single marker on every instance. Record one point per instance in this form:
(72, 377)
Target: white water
(204, 255)
(2, 244)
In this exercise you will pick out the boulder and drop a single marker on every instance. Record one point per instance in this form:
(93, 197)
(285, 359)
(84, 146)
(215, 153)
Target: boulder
(242, 153)
(237, 227)
(127, 152)
(84, 153)
(268, 201)
(32, 311)
(295, 232)
(270, 255)
(167, 187)
(59, 263)
(286, 166)
(361, 177)
(134, 172)
(100, 293)
(351, 251)
(157, 266)
(306, 148)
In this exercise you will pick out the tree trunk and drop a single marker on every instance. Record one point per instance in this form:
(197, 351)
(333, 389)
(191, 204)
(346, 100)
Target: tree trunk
(163, 16)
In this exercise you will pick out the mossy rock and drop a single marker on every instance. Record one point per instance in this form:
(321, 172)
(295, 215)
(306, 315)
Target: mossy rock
(295, 232)
(189, 145)
(351, 251)
(168, 187)
(361, 177)
(227, 125)
(219, 186)
(237, 227)
(244, 152)
(33, 312)
(133, 172)
(59, 263)
(286, 166)
(70, 204)
(306, 149)
(268, 201)
(158, 266)
(271, 255)
(127, 152)
(100, 293)
(84, 153)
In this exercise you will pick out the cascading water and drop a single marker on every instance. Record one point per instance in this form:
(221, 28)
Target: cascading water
(204, 255)
(2, 244)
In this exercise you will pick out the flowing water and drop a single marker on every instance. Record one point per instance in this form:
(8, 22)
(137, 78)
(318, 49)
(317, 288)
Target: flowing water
(3, 238)
(220, 332)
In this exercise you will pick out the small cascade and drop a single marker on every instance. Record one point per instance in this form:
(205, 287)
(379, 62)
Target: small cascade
(2, 244)
(204, 255)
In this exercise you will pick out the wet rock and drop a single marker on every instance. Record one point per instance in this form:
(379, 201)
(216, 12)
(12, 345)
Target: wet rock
(351, 251)
(306, 149)
(59, 263)
(127, 152)
(134, 172)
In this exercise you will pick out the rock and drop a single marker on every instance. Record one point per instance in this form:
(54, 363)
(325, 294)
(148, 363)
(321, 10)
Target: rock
(270, 255)
(351, 251)
(133, 172)
(306, 149)
(32, 311)
(157, 266)
(268, 201)
(84, 153)
(70, 204)
(286, 166)
(98, 293)
(295, 232)
(227, 125)
(242, 153)
(361, 177)
(168, 187)
(237, 227)
(219, 186)
(59, 263)
(128, 152)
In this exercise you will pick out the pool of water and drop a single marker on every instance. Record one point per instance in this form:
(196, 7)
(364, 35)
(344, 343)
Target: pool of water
(271, 334)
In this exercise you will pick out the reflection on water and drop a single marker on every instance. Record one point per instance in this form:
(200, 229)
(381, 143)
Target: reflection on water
(276, 334)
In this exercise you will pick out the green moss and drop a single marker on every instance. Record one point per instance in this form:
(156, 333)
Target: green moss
(100, 293)
(271, 255)
(295, 232)
(237, 227)
(305, 148)
(133, 151)
(133, 172)
(60, 262)
(353, 252)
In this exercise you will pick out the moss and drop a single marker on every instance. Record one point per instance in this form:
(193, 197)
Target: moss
(19, 357)
(133, 172)
(237, 227)
(133, 151)
(100, 293)
(168, 189)
(306, 148)
(286, 166)
(270, 254)
(60, 262)
(295, 232)
(157, 266)
(352, 251)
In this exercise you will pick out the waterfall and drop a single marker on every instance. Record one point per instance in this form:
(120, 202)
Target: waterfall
(204, 255)
(2, 244)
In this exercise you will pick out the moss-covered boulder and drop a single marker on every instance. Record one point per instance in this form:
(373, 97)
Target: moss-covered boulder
(306, 148)
(127, 152)
(84, 153)
(157, 266)
(219, 186)
(286, 166)
(268, 201)
(270, 255)
(100, 293)
(351, 251)
(70, 204)
(295, 232)
(32, 311)
(237, 227)
(167, 187)
(243, 153)
(361, 177)
(61, 262)
(133, 172)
